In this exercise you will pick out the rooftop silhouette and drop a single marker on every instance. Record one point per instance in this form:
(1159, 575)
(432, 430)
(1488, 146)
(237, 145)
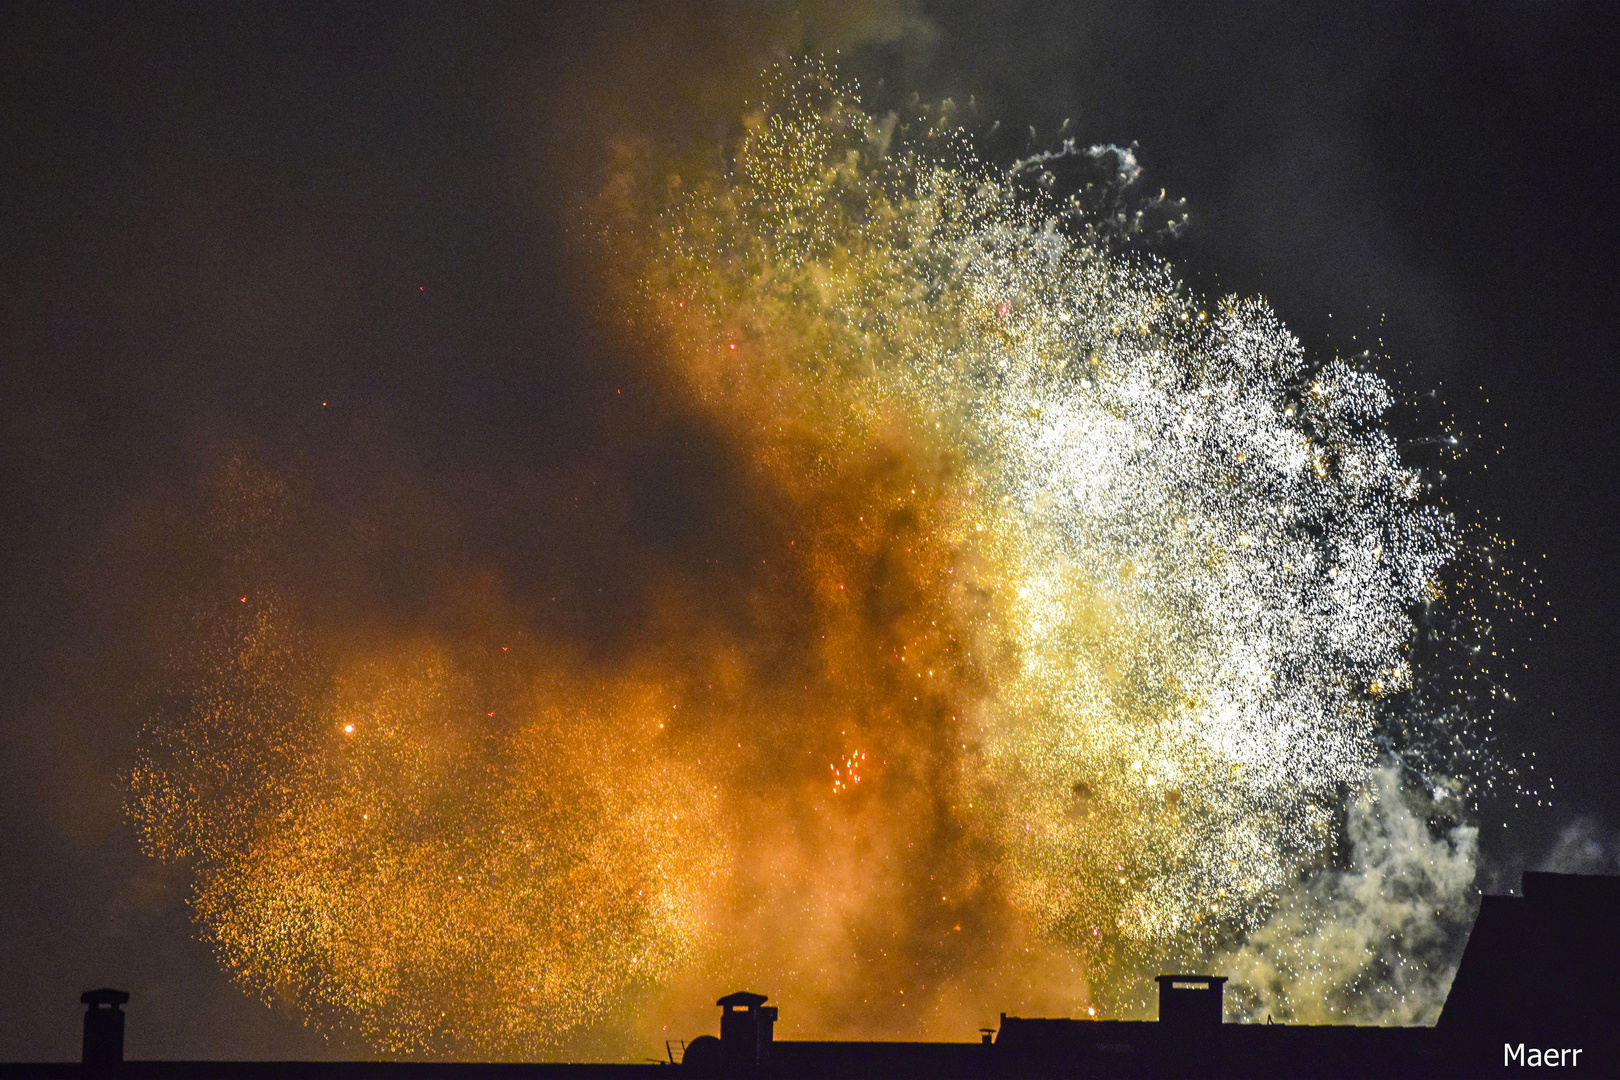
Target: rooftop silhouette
(1534, 988)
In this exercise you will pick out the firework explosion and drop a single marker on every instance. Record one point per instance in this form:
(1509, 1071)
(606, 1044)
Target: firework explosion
(1080, 617)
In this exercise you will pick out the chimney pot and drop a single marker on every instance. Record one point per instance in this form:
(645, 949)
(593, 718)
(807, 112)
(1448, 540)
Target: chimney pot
(747, 1028)
(103, 1026)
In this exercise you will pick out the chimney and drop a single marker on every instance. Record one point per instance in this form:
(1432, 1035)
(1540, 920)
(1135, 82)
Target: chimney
(1191, 1001)
(1190, 1042)
(746, 1028)
(103, 1026)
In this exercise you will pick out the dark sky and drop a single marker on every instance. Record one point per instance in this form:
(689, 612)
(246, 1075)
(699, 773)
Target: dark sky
(217, 218)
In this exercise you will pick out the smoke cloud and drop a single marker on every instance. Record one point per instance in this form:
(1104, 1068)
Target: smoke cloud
(950, 613)
(1376, 942)
(1584, 846)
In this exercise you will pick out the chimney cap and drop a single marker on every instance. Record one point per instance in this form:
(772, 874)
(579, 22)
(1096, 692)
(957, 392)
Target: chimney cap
(104, 996)
(742, 998)
(1206, 980)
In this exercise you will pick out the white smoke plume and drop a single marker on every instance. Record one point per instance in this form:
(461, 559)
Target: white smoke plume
(1377, 942)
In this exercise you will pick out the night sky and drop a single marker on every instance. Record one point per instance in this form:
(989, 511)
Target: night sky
(345, 244)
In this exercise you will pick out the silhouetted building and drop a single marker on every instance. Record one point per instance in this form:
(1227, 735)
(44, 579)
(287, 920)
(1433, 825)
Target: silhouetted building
(1541, 970)
(1186, 1041)
(1535, 988)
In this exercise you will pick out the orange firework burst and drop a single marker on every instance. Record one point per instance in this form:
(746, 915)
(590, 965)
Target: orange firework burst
(1044, 639)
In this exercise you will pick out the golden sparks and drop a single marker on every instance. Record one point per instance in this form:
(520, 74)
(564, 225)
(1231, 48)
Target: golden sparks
(1088, 599)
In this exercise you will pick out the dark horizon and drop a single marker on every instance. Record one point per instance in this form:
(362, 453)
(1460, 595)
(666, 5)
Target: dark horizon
(1536, 970)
